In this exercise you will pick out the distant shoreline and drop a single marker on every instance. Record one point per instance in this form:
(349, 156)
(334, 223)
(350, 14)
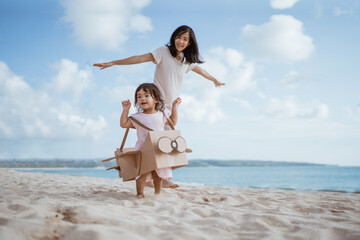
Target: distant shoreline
(78, 163)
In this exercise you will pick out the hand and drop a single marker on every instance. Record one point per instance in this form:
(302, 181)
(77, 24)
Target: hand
(103, 65)
(217, 83)
(176, 103)
(126, 105)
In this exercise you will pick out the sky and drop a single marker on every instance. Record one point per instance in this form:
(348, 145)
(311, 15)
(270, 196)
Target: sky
(291, 69)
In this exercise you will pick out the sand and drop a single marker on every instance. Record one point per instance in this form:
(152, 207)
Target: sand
(51, 206)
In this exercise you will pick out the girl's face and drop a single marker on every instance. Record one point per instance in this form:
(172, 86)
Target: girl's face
(182, 41)
(146, 101)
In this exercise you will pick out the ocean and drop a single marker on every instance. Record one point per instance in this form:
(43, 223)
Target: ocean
(304, 178)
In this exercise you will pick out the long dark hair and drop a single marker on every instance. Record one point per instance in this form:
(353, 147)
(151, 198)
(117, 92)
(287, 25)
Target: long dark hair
(154, 92)
(191, 52)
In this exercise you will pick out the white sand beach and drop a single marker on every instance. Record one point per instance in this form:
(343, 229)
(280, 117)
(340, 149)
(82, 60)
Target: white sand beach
(51, 206)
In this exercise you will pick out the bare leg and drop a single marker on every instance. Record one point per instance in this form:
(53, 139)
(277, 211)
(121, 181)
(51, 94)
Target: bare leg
(157, 182)
(140, 185)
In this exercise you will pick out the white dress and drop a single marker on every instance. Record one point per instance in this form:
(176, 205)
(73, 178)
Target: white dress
(169, 74)
(155, 121)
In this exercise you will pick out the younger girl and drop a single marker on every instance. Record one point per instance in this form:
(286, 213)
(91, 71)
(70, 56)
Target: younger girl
(151, 106)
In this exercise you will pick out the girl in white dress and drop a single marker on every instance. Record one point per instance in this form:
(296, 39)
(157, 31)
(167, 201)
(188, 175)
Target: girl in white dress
(150, 113)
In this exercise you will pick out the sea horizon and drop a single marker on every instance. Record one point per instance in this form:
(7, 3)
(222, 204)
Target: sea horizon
(93, 162)
(301, 178)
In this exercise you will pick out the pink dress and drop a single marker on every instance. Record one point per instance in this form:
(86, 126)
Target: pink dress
(155, 121)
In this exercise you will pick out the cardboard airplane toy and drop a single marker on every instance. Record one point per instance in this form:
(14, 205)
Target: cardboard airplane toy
(160, 149)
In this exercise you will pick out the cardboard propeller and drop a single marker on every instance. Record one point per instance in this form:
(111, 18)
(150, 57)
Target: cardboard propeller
(160, 149)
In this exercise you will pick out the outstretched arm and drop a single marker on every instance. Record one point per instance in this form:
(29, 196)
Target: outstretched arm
(207, 75)
(127, 61)
(124, 121)
(174, 111)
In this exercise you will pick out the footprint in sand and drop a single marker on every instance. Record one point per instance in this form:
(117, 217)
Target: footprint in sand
(68, 214)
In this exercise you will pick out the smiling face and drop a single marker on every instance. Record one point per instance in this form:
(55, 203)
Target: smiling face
(146, 101)
(182, 41)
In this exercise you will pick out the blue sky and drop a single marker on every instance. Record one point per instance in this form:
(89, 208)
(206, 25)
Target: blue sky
(291, 69)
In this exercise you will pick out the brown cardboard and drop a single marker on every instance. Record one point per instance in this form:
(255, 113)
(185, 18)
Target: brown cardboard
(129, 163)
(149, 157)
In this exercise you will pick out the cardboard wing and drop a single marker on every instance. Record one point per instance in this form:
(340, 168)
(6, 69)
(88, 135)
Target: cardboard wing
(150, 157)
(129, 162)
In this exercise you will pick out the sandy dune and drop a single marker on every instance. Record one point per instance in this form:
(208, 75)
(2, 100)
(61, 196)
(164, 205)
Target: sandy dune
(46, 206)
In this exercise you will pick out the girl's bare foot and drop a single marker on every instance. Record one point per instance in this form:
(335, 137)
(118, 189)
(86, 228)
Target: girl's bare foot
(165, 184)
(140, 196)
(174, 185)
(169, 184)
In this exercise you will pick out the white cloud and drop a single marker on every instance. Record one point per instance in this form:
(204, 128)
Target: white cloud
(294, 79)
(243, 103)
(318, 10)
(260, 94)
(338, 12)
(106, 23)
(118, 94)
(228, 65)
(291, 80)
(29, 113)
(202, 108)
(281, 39)
(288, 108)
(70, 78)
(353, 112)
(282, 4)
